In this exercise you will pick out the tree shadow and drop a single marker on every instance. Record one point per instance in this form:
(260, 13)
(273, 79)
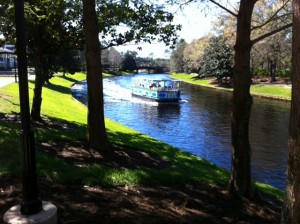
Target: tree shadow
(184, 164)
(69, 79)
(185, 203)
(58, 88)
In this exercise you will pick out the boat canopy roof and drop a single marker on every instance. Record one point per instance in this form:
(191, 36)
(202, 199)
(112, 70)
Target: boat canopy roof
(170, 83)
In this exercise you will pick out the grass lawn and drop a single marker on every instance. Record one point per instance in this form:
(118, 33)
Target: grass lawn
(262, 90)
(59, 107)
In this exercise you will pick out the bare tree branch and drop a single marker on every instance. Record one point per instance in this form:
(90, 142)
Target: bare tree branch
(224, 8)
(272, 18)
(271, 33)
(183, 4)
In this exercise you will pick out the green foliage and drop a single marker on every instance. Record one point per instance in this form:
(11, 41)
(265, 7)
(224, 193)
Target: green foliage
(217, 59)
(145, 22)
(261, 72)
(177, 58)
(284, 73)
(71, 61)
(128, 63)
(193, 54)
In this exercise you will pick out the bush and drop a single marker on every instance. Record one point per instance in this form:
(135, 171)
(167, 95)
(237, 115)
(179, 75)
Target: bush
(261, 72)
(284, 73)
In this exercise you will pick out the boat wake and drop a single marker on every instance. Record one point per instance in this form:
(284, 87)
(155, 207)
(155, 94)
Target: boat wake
(114, 93)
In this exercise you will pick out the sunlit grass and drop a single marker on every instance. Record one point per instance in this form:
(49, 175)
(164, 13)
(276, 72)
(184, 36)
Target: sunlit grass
(59, 105)
(192, 78)
(271, 91)
(275, 192)
(275, 92)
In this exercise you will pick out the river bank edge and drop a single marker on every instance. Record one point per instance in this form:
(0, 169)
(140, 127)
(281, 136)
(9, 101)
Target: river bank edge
(206, 83)
(75, 78)
(131, 192)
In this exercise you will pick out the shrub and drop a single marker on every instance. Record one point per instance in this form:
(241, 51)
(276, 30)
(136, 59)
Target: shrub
(284, 73)
(261, 72)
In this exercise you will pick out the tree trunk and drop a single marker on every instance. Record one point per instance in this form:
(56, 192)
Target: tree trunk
(97, 137)
(240, 182)
(39, 83)
(273, 70)
(37, 96)
(291, 207)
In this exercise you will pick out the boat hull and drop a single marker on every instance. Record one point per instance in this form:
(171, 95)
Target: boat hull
(157, 95)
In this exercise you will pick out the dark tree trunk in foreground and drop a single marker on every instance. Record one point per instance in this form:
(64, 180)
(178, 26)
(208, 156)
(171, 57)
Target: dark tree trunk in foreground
(291, 208)
(37, 92)
(240, 182)
(97, 137)
(39, 76)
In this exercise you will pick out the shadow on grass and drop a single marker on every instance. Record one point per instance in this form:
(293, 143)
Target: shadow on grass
(6, 98)
(58, 88)
(55, 129)
(9, 147)
(190, 203)
(69, 79)
(185, 166)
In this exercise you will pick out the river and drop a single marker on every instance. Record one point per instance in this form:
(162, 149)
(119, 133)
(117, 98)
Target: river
(200, 124)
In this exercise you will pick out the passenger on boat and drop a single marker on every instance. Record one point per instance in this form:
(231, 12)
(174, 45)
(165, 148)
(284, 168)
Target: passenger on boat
(152, 85)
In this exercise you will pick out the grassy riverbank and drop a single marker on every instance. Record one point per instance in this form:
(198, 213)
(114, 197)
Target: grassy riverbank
(65, 129)
(261, 90)
(59, 106)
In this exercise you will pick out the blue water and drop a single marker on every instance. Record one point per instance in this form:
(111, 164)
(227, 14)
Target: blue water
(200, 124)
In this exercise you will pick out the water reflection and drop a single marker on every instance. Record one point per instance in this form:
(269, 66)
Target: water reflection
(200, 124)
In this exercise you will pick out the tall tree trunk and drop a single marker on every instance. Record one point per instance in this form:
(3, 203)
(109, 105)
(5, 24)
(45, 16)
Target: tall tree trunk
(272, 69)
(240, 182)
(39, 74)
(97, 137)
(38, 87)
(291, 207)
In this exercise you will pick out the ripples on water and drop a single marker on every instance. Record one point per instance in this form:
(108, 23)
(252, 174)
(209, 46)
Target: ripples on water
(200, 124)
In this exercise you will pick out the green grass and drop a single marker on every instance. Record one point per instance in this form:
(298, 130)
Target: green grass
(192, 78)
(268, 91)
(59, 105)
(271, 91)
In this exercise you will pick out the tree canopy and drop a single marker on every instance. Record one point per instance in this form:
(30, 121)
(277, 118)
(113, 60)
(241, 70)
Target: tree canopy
(177, 57)
(217, 59)
(129, 63)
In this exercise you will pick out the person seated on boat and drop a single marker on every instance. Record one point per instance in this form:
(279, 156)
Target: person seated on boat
(152, 85)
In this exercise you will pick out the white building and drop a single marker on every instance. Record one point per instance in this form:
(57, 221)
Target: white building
(7, 57)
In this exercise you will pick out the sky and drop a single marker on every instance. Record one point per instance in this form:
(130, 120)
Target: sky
(195, 24)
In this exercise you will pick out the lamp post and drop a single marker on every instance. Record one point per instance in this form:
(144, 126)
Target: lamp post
(31, 209)
(30, 203)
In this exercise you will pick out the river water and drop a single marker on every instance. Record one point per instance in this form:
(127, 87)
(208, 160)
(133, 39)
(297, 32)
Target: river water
(200, 124)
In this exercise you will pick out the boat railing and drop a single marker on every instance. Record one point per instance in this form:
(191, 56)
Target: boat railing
(154, 85)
